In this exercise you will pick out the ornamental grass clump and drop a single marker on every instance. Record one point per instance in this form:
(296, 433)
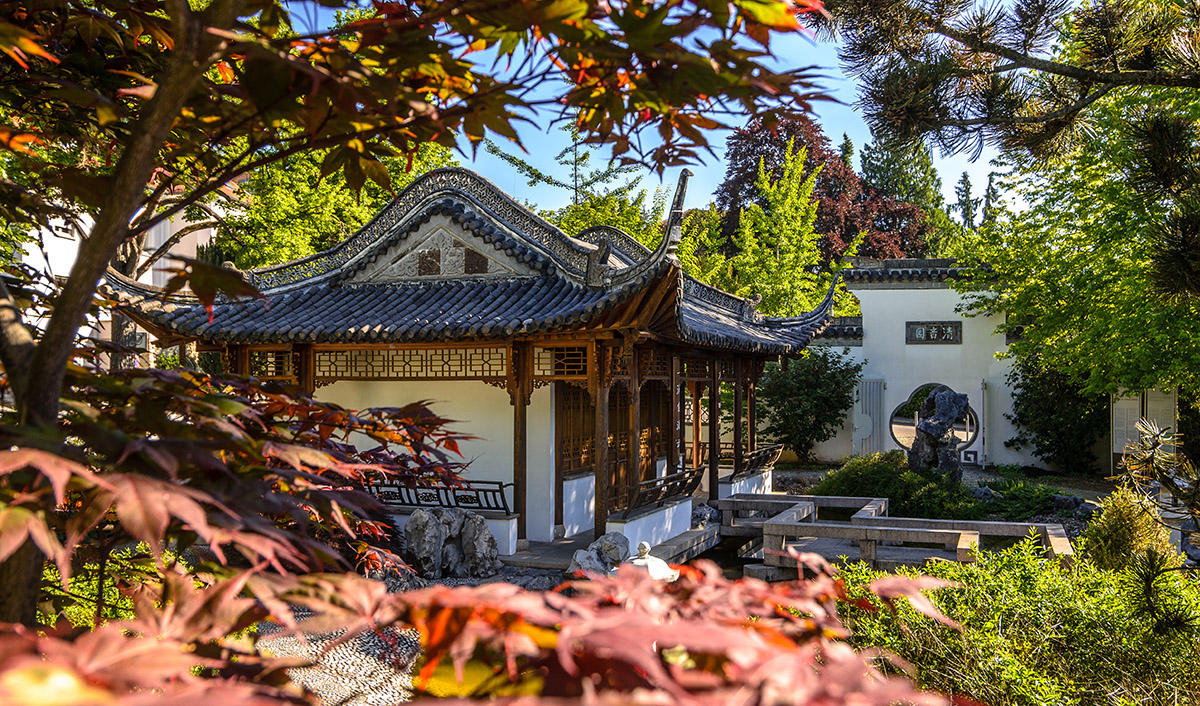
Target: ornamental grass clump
(1128, 526)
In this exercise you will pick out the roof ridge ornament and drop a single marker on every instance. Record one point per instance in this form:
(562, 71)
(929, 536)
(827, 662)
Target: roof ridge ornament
(597, 264)
(667, 246)
(750, 307)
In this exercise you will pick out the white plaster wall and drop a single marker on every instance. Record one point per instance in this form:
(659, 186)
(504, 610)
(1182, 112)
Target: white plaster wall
(671, 520)
(482, 411)
(579, 505)
(965, 367)
(757, 483)
(539, 463)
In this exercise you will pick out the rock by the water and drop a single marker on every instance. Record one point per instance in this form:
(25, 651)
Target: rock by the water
(450, 542)
(985, 494)
(425, 536)
(601, 556)
(1067, 503)
(704, 515)
(658, 569)
(936, 444)
(481, 554)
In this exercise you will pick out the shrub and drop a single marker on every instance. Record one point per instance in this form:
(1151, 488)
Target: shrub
(1055, 417)
(1037, 634)
(1128, 526)
(1022, 500)
(909, 493)
(807, 403)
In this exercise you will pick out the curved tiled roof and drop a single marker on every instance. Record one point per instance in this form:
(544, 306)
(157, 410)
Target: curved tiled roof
(864, 270)
(566, 282)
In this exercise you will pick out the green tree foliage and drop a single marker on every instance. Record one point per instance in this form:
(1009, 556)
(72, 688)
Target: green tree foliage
(807, 403)
(778, 254)
(643, 221)
(1035, 79)
(287, 210)
(905, 172)
(847, 150)
(1075, 270)
(966, 205)
(1036, 633)
(1128, 527)
(595, 200)
(1053, 416)
(909, 493)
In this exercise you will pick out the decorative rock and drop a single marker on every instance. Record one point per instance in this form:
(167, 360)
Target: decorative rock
(613, 548)
(452, 561)
(936, 445)
(453, 518)
(985, 494)
(1067, 503)
(1088, 510)
(658, 569)
(601, 556)
(425, 537)
(481, 554)
(704, 515)
(451, 542)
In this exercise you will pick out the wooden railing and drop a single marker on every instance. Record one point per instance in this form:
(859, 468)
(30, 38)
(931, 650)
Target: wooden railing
(759, 460)
(656, 491)
(478, 495)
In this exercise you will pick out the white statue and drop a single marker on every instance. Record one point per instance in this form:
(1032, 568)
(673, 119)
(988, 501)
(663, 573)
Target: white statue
(657, 568)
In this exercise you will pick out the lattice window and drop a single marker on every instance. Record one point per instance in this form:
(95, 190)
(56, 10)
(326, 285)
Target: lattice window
(618, 362)
(575, 429)
(271, 365)
(560, 362)
(728, 370)
(412, 364)
(655, 364)
(696, 369)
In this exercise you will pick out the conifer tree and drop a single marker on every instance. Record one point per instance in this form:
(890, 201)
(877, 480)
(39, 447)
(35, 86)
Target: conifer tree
(847, 151)
(966, 205)
(906, 173)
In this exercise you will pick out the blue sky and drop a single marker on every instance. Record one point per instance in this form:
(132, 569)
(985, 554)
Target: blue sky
(799, 50)
(792, 52)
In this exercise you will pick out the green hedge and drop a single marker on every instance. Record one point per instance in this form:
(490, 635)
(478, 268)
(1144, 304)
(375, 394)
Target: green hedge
(909, 494)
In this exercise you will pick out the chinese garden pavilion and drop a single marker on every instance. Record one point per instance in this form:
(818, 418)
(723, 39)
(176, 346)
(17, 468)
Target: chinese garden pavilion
(564, 354)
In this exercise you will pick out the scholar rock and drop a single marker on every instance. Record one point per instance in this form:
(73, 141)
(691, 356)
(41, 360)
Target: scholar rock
(481, 554)
(936, 444)
(425, 537)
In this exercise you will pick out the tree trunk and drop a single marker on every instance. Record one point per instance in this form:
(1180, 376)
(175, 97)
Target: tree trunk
(20, 585)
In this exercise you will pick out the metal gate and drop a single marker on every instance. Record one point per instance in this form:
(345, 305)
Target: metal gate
(869, 424)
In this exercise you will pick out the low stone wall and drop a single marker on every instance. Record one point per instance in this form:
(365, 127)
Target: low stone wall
(655, 525)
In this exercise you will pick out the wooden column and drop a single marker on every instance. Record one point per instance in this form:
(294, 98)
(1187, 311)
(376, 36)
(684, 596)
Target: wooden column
(306, 374)
(239, 357)
(520, 387)
(738, 410)
(714, 428)
(675, 445)
(696, 388)
(559, 391)
(752, 409)
(600, 442)
(633, 474)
